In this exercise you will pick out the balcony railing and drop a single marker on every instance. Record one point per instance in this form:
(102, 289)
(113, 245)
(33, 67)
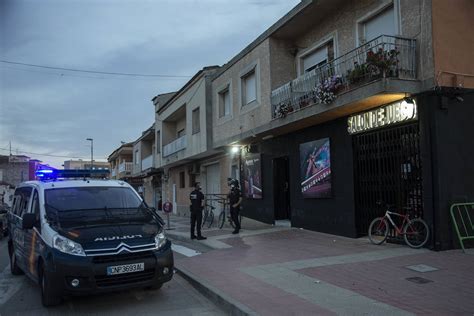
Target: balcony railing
(383, 57)
(113, 172)
(126, 167)
(147, 163)
(174, 146)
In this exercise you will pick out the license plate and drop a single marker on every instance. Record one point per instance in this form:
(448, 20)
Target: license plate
(126, 268)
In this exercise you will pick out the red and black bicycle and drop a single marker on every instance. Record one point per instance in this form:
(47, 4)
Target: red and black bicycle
(415, 231)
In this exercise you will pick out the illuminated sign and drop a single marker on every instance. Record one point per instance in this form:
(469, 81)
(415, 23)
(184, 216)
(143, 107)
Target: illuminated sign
(393, 113)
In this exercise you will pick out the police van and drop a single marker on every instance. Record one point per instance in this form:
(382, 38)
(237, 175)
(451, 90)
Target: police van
(77, 237)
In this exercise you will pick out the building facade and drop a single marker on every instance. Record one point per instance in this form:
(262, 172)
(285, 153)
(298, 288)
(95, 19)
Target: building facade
(187, 155)
(341, 104)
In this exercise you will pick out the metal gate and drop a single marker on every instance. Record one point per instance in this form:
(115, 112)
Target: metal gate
(387, 167)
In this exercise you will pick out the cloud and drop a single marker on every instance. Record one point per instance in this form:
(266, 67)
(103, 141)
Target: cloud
(46, 112)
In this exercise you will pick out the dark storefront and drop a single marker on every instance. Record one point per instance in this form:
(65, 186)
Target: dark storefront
(423, 164)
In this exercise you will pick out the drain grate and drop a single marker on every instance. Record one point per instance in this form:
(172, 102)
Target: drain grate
(419, 280)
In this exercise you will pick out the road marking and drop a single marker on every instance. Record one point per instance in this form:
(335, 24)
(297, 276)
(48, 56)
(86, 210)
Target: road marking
(188, 252)
(9, 285)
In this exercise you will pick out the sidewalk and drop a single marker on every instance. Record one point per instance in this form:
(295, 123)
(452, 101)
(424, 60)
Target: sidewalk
(269, 270)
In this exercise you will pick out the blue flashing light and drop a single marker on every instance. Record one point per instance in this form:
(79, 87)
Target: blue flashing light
(44, 171)
(45, 174)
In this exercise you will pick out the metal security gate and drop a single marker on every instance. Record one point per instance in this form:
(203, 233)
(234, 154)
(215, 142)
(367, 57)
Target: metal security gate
(387, 167)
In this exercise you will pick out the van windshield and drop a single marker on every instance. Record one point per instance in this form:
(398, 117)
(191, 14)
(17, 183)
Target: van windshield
(85, 206)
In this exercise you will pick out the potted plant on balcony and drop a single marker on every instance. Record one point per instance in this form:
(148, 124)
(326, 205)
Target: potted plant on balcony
(357, 74)
(327, 90)
(282, 109)
(383, 62)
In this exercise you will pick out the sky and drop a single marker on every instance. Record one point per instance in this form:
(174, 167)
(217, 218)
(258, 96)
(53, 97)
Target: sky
(46, 112)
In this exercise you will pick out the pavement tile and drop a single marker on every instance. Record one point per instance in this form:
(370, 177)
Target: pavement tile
(274, 273)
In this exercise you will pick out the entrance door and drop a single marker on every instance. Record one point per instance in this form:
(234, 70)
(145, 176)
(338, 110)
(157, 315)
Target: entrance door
(387, 167)
(281, 188)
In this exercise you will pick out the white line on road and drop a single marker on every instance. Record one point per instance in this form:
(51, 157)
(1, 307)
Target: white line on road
(185, 250)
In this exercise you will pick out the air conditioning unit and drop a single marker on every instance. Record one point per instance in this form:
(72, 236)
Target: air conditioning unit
(194, 168)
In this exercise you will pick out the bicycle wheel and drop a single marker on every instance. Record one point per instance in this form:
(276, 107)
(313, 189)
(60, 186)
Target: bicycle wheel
(210, 219)
(204, 217)
(378, 230)
(416, 233)
(221, 219)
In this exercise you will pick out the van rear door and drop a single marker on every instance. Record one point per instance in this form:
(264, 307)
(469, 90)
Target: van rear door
(32, 238)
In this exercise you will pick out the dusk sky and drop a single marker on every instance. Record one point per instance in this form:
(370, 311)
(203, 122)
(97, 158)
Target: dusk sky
(52, 112)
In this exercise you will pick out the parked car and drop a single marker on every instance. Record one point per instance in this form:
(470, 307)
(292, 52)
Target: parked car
(76, 237)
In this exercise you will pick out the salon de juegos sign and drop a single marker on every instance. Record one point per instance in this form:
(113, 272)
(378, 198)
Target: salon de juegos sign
(393, 113)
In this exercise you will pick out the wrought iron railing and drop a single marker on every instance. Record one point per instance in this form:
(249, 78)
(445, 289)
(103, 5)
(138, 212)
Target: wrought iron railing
(383, 57)
(125, 167)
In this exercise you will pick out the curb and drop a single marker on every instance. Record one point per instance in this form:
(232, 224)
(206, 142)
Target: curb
(226, 303)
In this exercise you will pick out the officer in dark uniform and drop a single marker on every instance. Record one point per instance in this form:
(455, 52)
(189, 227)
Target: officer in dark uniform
(197, 205)
(235, 198)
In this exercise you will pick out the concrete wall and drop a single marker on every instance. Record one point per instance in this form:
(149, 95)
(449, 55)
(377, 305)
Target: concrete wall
(16, 172)
(278, 58)
(453, 42)
(249, 117)
(193, 97)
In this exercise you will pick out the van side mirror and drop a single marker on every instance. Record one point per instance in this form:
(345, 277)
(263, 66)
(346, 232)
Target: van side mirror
(28, 220)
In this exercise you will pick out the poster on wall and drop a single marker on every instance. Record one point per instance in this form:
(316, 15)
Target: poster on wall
(252, 176)
(315, 169)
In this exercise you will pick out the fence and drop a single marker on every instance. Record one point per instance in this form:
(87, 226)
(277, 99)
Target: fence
(462, 215)
(383, 57)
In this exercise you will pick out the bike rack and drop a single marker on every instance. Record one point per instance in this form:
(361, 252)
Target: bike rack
(463, 215)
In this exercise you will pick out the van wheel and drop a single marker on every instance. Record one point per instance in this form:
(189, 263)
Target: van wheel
(14, 268)
(154, 287)
(48, 297)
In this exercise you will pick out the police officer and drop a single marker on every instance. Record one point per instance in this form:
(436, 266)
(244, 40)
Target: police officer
(197, 204)
(235, 198)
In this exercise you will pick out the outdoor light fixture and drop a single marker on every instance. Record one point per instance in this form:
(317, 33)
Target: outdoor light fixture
(235, 149)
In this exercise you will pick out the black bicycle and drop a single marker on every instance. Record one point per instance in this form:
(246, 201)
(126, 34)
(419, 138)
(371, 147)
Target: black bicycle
(208, 216)
(225, 214)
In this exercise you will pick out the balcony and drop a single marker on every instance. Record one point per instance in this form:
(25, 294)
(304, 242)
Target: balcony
(125, 167)
(174, 146)
(147, 163)
(383, 57)
(113, 172)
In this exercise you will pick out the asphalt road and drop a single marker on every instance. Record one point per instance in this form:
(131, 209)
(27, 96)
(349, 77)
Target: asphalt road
(20, 296)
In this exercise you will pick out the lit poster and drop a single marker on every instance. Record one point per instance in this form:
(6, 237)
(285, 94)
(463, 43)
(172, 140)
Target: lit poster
(252, 176)
(315, 165)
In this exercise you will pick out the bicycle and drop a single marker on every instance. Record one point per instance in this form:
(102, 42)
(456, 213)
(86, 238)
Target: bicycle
(415, 231)
(224, 214)
(208, 215)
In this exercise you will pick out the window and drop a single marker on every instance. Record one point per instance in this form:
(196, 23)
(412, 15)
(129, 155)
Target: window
(249, 87)
(35, 209)
(21, 201)
(224, 102)
(135, 157)
(318, 57)
(192, 180)
(381, 24)
(196, 121)
(181, 133)
(182, 182)
(158, 142)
